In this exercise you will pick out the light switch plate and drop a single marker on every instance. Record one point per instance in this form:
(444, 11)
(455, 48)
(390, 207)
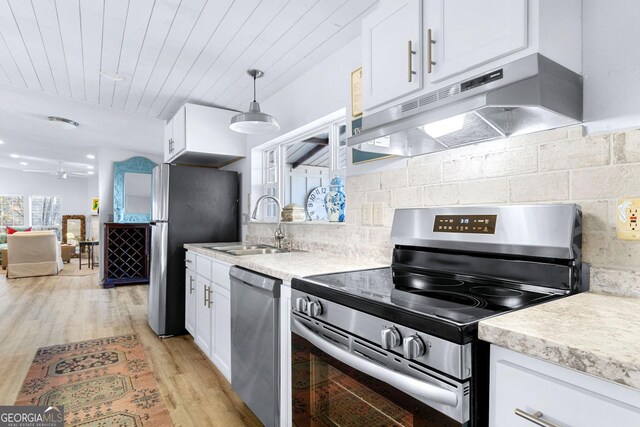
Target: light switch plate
(367, 214)
(378, 213)
(627, 219)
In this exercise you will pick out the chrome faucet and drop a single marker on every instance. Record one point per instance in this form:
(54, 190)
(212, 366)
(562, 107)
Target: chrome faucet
(279, 234)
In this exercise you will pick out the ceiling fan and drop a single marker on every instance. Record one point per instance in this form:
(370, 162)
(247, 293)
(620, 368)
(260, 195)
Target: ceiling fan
(60, 173)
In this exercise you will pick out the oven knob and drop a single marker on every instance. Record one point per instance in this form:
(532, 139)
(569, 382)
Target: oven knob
(390, 338)
(412, 347)
(314, 308)
(301, 304)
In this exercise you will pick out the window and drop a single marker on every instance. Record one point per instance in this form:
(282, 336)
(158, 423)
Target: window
(11, 210)
(270, 180)
(293, 168)
(46, 211)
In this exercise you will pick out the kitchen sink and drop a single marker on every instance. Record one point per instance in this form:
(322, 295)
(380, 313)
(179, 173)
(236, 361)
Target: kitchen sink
(257, 251)
(236, 247)
(239, 250)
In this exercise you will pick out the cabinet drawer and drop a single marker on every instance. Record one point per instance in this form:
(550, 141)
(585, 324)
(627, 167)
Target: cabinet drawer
(220, 271)
(562, 404)
(190, 261)
(203, 266)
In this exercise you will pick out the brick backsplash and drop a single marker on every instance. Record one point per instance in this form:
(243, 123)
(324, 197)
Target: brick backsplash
(556, 166)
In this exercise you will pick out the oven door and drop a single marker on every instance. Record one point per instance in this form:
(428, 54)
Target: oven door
(340, 380)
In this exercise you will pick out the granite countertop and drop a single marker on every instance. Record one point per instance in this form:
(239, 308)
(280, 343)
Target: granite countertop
(590, 332)
(288, 265)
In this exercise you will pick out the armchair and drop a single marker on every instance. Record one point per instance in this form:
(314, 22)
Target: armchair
(35, 253)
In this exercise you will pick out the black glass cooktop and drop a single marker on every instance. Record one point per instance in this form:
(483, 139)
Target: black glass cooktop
(445, 305)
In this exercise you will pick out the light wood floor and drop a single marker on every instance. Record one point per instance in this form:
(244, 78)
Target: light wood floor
(37, 312)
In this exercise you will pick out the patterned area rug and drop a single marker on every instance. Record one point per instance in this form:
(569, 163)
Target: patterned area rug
(101, 382)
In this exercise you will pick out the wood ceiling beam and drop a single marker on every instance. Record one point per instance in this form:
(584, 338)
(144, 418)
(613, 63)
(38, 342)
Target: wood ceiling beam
(315, 150)
(316, 140)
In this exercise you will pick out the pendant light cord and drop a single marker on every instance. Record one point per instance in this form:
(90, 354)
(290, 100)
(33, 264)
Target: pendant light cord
(254, 88)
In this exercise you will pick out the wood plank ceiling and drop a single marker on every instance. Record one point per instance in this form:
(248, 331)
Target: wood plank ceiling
(168, 51)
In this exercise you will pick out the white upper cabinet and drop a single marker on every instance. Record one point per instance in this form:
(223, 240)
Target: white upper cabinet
(468, 33)
(392, 51)
(179, 121)
(168, 139)
(460, 40)
(200, 135)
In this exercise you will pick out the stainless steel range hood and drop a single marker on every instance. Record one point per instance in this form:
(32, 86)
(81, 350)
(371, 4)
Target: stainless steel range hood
(525, 96)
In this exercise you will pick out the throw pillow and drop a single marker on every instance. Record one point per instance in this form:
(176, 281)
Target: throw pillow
(11, 230)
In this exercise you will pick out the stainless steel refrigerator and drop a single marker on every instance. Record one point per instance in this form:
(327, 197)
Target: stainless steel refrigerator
(189, 205)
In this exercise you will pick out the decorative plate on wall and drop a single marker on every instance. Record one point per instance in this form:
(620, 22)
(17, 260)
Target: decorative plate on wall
(316, 207)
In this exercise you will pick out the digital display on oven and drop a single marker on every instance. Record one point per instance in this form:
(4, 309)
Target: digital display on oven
(475, 224)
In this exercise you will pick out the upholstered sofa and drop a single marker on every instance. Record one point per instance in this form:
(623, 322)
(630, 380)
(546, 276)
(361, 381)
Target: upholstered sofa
(35, 253)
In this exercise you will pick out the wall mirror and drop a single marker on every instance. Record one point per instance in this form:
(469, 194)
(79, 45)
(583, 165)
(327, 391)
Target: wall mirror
(74, 229)
(132, 190)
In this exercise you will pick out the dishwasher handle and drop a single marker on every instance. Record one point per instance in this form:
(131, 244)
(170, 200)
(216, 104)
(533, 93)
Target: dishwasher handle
(260, 282)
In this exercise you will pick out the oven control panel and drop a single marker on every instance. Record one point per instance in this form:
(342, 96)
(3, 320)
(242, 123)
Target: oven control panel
(471, 224)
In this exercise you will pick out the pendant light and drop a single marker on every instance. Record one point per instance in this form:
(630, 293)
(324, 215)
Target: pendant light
(254, 121)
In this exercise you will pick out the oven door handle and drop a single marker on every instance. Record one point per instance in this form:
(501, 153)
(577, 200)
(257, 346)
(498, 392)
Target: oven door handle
(416, 388)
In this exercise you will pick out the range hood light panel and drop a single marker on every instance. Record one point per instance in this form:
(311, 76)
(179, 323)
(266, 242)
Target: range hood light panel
(444, 126)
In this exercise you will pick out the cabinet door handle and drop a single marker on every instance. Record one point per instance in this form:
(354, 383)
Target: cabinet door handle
(430, 43)
(535, 418)
(410, 53)
(191, 285)
(188, 261)
(209, 300)
(205, 296)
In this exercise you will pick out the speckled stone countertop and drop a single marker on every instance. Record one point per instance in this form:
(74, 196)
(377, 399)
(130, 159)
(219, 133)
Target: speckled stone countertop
(288, 265)
(590, 332)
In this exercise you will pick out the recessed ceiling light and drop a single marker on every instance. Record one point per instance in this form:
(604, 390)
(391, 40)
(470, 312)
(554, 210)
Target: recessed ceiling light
(14, 156)
(91, 156)
(89, 167)
(62, 123)
(112, 76)
(1, 142)
(90, 173)
(24, 163)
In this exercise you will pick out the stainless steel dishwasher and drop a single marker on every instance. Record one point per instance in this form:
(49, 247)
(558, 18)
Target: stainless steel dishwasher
(255, 342)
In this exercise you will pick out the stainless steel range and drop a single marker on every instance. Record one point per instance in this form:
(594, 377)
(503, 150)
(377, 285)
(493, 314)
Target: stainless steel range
(398, 345)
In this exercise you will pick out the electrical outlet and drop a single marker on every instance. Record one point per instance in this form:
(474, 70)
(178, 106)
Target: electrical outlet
(378, 213)
(627, 219)
(367, 215)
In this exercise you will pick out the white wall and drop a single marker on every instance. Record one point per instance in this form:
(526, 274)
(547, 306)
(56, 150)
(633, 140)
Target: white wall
(611, 64)
(75, 192)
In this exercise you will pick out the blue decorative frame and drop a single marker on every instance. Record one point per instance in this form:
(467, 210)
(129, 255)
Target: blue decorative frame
(133, 165)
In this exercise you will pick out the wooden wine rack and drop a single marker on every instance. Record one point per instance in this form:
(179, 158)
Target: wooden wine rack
(126, 254)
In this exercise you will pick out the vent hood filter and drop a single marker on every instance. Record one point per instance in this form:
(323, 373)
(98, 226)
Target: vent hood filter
(458, 130)
(528, 95)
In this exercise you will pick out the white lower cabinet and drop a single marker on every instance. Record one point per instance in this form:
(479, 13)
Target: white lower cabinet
(208, 309)
(203, 315)
(285, 355)
(221, 350)
(551, 395)
(190, 301)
